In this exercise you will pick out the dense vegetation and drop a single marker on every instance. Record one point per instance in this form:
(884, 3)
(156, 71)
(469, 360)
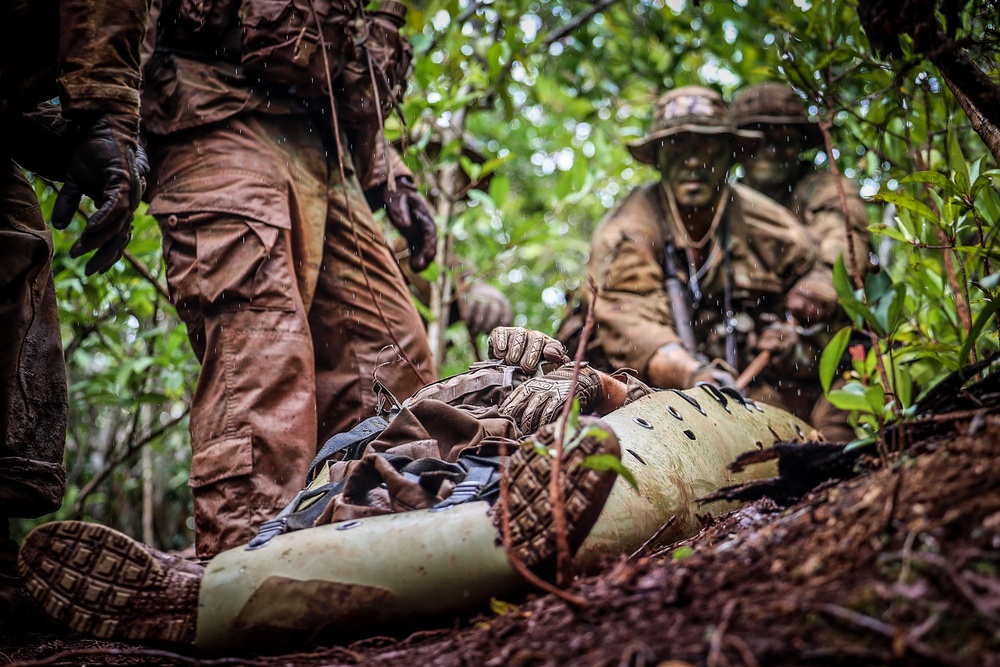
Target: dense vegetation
(546, 92)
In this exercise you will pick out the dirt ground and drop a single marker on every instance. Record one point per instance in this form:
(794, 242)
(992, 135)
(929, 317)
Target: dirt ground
(896, 567)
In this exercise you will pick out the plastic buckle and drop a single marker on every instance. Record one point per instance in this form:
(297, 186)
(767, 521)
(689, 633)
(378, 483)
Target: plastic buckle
(267, 531)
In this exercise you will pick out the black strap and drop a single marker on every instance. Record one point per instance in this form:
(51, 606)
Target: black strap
(352, 443)
(482, 482)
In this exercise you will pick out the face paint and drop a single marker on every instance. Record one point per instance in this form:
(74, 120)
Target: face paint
(776, 162)
(694, 166)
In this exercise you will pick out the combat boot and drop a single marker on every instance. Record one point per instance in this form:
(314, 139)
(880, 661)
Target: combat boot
(100, 582)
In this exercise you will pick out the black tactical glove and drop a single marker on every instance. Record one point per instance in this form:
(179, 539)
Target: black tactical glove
(105, 165)
(410, 213)
(538, 400)
(525, 348)
(483, 308)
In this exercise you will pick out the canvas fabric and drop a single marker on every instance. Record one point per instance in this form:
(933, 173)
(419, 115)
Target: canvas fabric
(294, 306)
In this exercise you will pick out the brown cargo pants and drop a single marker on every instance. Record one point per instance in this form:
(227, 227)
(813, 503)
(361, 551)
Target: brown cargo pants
(33, 402)
(292, 307)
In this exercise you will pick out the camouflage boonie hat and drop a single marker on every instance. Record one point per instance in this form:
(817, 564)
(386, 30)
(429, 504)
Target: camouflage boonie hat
(774, 104)
(695, 110)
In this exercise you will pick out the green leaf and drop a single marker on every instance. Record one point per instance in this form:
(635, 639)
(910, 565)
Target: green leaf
(499, 189)
(904, 200)
(861, 443)
(934, 178)
(875, 395)
(832, 354)
(984, 317)
(602, 462)
(680, 553)
(956, 161)
(892, 232)
(851, 397)
(501, 608)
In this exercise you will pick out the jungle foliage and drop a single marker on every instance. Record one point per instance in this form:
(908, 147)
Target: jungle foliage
(546, 93)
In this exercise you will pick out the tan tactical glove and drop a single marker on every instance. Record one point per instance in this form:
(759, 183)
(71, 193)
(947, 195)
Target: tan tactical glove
(813, 299)
(483, 308)
(538, 400)
(780, 339)
(526, 348)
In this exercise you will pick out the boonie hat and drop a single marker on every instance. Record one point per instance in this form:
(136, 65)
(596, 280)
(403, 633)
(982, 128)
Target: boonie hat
(691, 109)
(774, 103)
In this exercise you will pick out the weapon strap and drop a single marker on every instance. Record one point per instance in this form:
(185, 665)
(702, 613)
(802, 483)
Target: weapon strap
(730, 315)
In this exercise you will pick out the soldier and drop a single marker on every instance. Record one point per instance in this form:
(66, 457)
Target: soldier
(87, 55)
(696, 276)
(125, 590)
(777, 170)
(293, 302)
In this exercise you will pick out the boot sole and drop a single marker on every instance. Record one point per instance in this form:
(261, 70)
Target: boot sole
(103, 583)
(585, 491)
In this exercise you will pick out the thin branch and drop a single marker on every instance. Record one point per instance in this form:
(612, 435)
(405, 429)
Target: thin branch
(888, 631)
(508, 543)
(564, 562)
(144, 271)
(122, 457)
(644, 549)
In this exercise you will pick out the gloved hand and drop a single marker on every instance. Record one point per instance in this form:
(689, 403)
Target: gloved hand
(483, 308)
(106, 166)
(538, 400)
(525, 348)
(780, 339)
(410, 213)
(715, 372)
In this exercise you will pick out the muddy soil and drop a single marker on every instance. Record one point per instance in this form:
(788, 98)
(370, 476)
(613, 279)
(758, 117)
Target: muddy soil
(897, 567)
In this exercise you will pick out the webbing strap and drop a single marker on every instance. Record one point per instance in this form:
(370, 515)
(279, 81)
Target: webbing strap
(451, 389)
(483, 474)
(353, 441)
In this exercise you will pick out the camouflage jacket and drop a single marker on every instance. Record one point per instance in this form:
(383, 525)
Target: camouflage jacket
(769, 251)
(86, 53)
(816, 201)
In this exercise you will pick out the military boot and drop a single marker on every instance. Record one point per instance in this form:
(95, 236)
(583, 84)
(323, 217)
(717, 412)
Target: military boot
(585, 488)
(100, 582)
(103, 583)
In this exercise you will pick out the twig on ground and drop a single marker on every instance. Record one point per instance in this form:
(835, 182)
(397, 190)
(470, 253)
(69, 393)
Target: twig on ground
(715, 658)
(886, 630)
(644, 549)
(749, 659)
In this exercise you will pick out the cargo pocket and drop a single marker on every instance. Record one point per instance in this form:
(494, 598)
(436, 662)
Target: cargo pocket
(220, 483)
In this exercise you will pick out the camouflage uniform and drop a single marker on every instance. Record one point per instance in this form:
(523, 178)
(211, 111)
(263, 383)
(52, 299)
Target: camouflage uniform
(815, 198)
(769, 253)
(292, 299)
(87, 55)
(768, 250)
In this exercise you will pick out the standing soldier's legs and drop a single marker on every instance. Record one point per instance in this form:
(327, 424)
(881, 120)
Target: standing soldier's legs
(223, 199)
(363, 320)
(33, 402)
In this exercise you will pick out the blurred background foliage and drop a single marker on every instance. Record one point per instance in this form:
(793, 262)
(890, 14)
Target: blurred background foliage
(516, 122)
